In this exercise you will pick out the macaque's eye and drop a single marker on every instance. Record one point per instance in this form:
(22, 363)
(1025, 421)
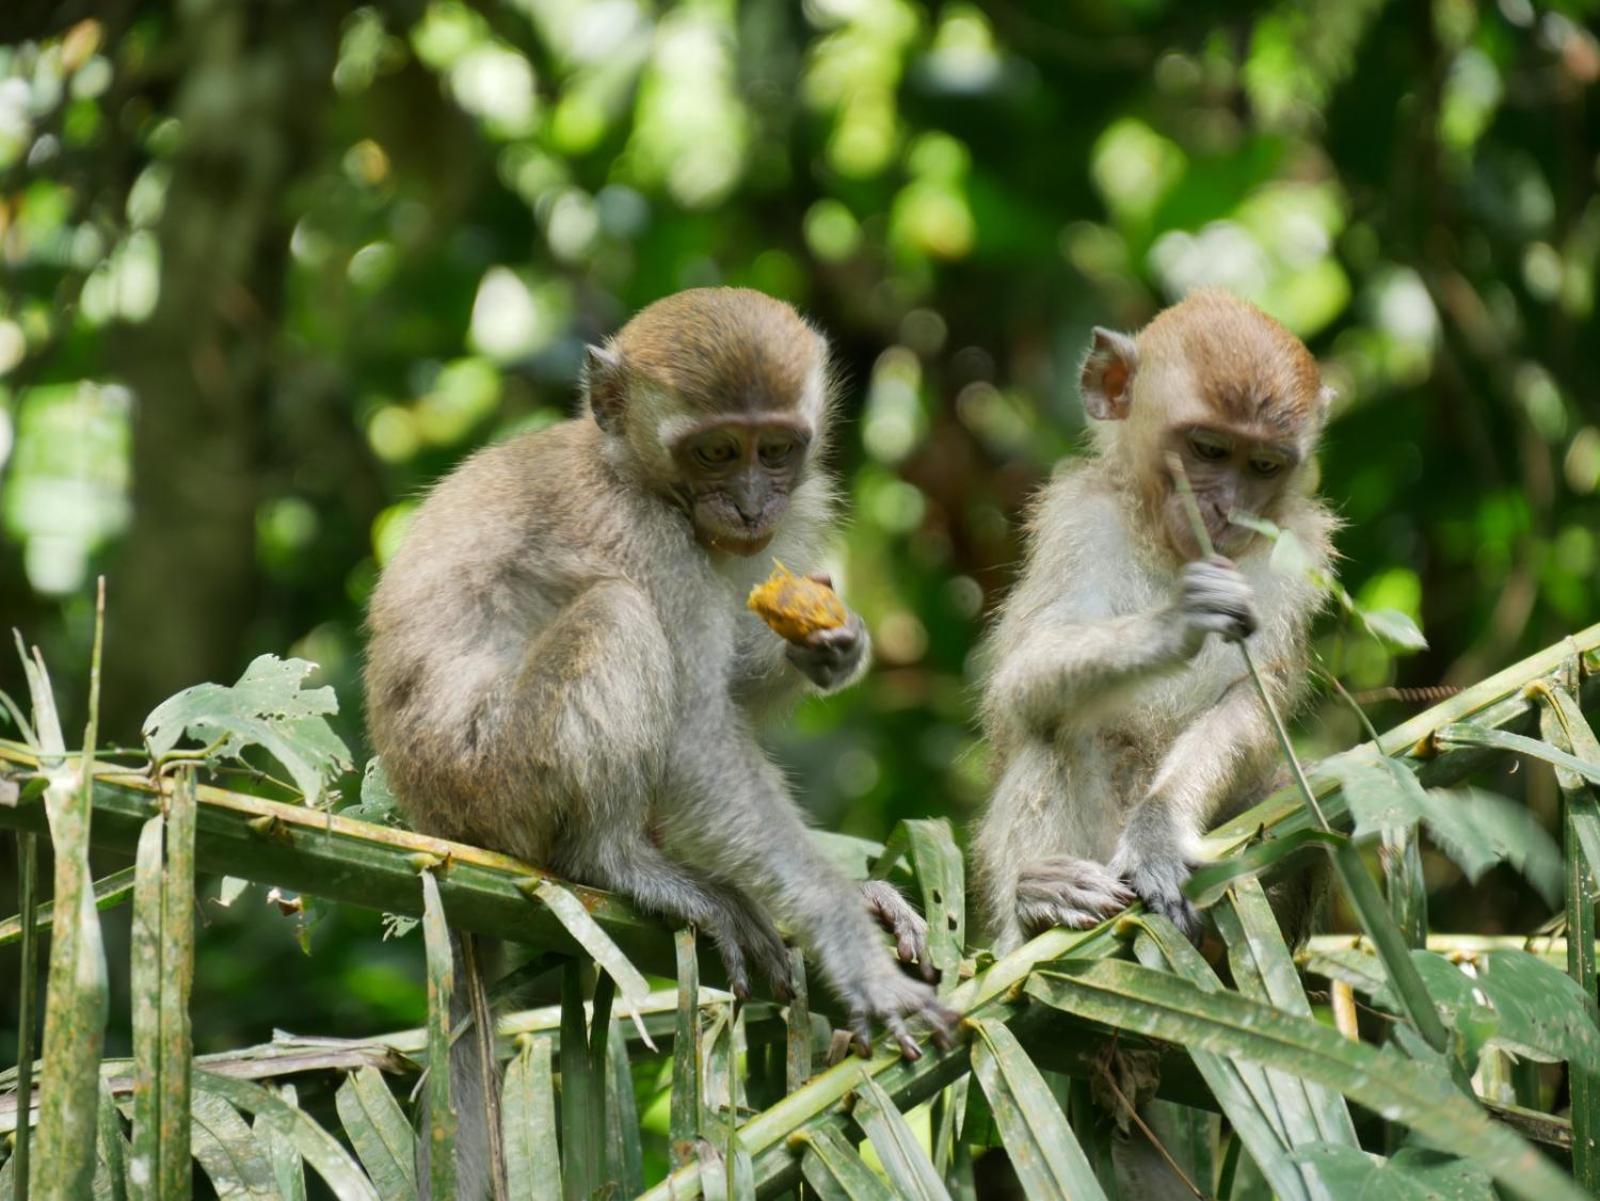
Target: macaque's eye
(1266, 468)
(779, 454)
(716, 453)
(1212, 452)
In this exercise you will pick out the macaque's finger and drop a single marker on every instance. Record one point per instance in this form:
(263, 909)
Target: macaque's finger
(861, 1030)
(821, 577)
(898, 1031)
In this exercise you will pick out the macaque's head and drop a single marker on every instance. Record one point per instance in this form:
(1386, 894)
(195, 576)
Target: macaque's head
(717, 399)
(1216, 382)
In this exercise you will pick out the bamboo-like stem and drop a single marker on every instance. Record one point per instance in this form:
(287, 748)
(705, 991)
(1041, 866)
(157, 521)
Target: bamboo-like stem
(1180, 482)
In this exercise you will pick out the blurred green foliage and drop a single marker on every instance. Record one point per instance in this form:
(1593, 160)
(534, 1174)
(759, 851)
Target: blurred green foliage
(271, 269)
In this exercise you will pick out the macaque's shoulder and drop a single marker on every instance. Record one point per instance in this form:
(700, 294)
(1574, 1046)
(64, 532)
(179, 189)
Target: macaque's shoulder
(1079, 514)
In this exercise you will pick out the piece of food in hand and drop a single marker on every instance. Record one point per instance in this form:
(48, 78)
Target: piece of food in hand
(796, 606)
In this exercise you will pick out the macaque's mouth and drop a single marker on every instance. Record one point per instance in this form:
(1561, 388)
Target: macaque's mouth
(738, 544)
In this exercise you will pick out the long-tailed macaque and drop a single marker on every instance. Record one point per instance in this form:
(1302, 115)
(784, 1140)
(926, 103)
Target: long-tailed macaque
(562, 667)
(1121, 728)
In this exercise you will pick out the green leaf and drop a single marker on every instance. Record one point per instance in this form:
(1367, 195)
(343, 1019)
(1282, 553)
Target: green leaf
(441, 1132)
(624, 1151)
(1516, 1001)
(1476, 829)
(575, 919)
(378, 804)
(1158, 1005)
(288, 1167)
(834, 1170)
(227, 1151)
(686, 1050)
(321, 1150)
(1412, 1174)
(1264, 970)
(266, 708)
(379, 1132)
(1393, 627)
(1044, 1152)
(111, 1146)
(528, 1116)
(909, 1170)
(1241, 1088)
(941, 877)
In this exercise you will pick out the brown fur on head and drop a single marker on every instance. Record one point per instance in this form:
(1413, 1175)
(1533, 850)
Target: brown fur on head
(1212, 364)
(706, 373)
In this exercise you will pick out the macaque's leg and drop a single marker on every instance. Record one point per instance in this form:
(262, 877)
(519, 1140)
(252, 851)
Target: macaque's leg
(639, 869)
(908, 927)
(1039, 847)
(734, 809)
(593, 710)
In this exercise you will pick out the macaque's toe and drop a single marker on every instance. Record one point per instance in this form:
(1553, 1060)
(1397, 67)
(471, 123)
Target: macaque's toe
(908, 927)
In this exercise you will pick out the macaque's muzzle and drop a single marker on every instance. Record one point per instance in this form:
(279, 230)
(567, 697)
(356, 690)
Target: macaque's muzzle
(738, 524)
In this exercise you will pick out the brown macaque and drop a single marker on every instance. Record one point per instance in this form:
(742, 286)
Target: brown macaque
(562, 665)
(1122, 728)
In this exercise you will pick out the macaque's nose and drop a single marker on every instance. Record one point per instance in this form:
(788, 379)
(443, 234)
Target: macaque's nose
(747, 500)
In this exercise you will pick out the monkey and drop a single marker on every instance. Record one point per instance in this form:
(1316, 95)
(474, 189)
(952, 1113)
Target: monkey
(1123, 723)
(561, 665)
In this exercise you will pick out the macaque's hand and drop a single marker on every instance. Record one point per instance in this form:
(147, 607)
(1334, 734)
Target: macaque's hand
(910, 930)
(1215, 599)
(1153, 857)
(829, 657)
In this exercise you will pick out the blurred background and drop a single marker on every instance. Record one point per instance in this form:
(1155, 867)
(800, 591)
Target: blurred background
(269, 270)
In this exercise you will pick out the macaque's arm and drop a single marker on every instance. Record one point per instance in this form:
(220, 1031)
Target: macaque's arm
(1059, 669)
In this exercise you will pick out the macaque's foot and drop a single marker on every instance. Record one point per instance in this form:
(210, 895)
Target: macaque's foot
(894, 913)
(1154, 858)
(746, 938)
(830, 657)
(1159, 884)
(1065, 891)
(894, 1002)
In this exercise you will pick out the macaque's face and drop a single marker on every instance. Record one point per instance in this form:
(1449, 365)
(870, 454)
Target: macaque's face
(1231, 471)
(736, 474)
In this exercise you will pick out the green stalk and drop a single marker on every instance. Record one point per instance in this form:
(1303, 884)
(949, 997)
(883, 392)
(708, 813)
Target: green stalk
(1370, 905)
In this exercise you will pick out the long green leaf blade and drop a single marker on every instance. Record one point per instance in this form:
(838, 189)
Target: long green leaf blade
(1240, 1087)
(909, 1170)
(1257, 941)
(379, 1133)
(528, 1111)
(288, 1166)
(684, 1127)
(77, 990)
(177, 979)
(111, 1150)
(582, 1151)
(1044, 1152)
(237, 1167)
(1157, 1005)
(833, 1169)
(321, 1150)
(441, 1132)
(145, 1165)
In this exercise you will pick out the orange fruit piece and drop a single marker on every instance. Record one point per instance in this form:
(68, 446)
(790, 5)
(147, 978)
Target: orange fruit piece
(794, 606)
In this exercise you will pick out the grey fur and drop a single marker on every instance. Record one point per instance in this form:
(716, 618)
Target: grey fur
(558, 669)
(1121, 728)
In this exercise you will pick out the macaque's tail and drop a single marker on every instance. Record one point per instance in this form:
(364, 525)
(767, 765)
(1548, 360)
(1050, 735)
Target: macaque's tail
(474, 1080)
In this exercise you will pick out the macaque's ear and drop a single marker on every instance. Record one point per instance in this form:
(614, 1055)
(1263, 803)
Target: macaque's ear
(1326, 395)
(605, 386)
(1107, 378)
